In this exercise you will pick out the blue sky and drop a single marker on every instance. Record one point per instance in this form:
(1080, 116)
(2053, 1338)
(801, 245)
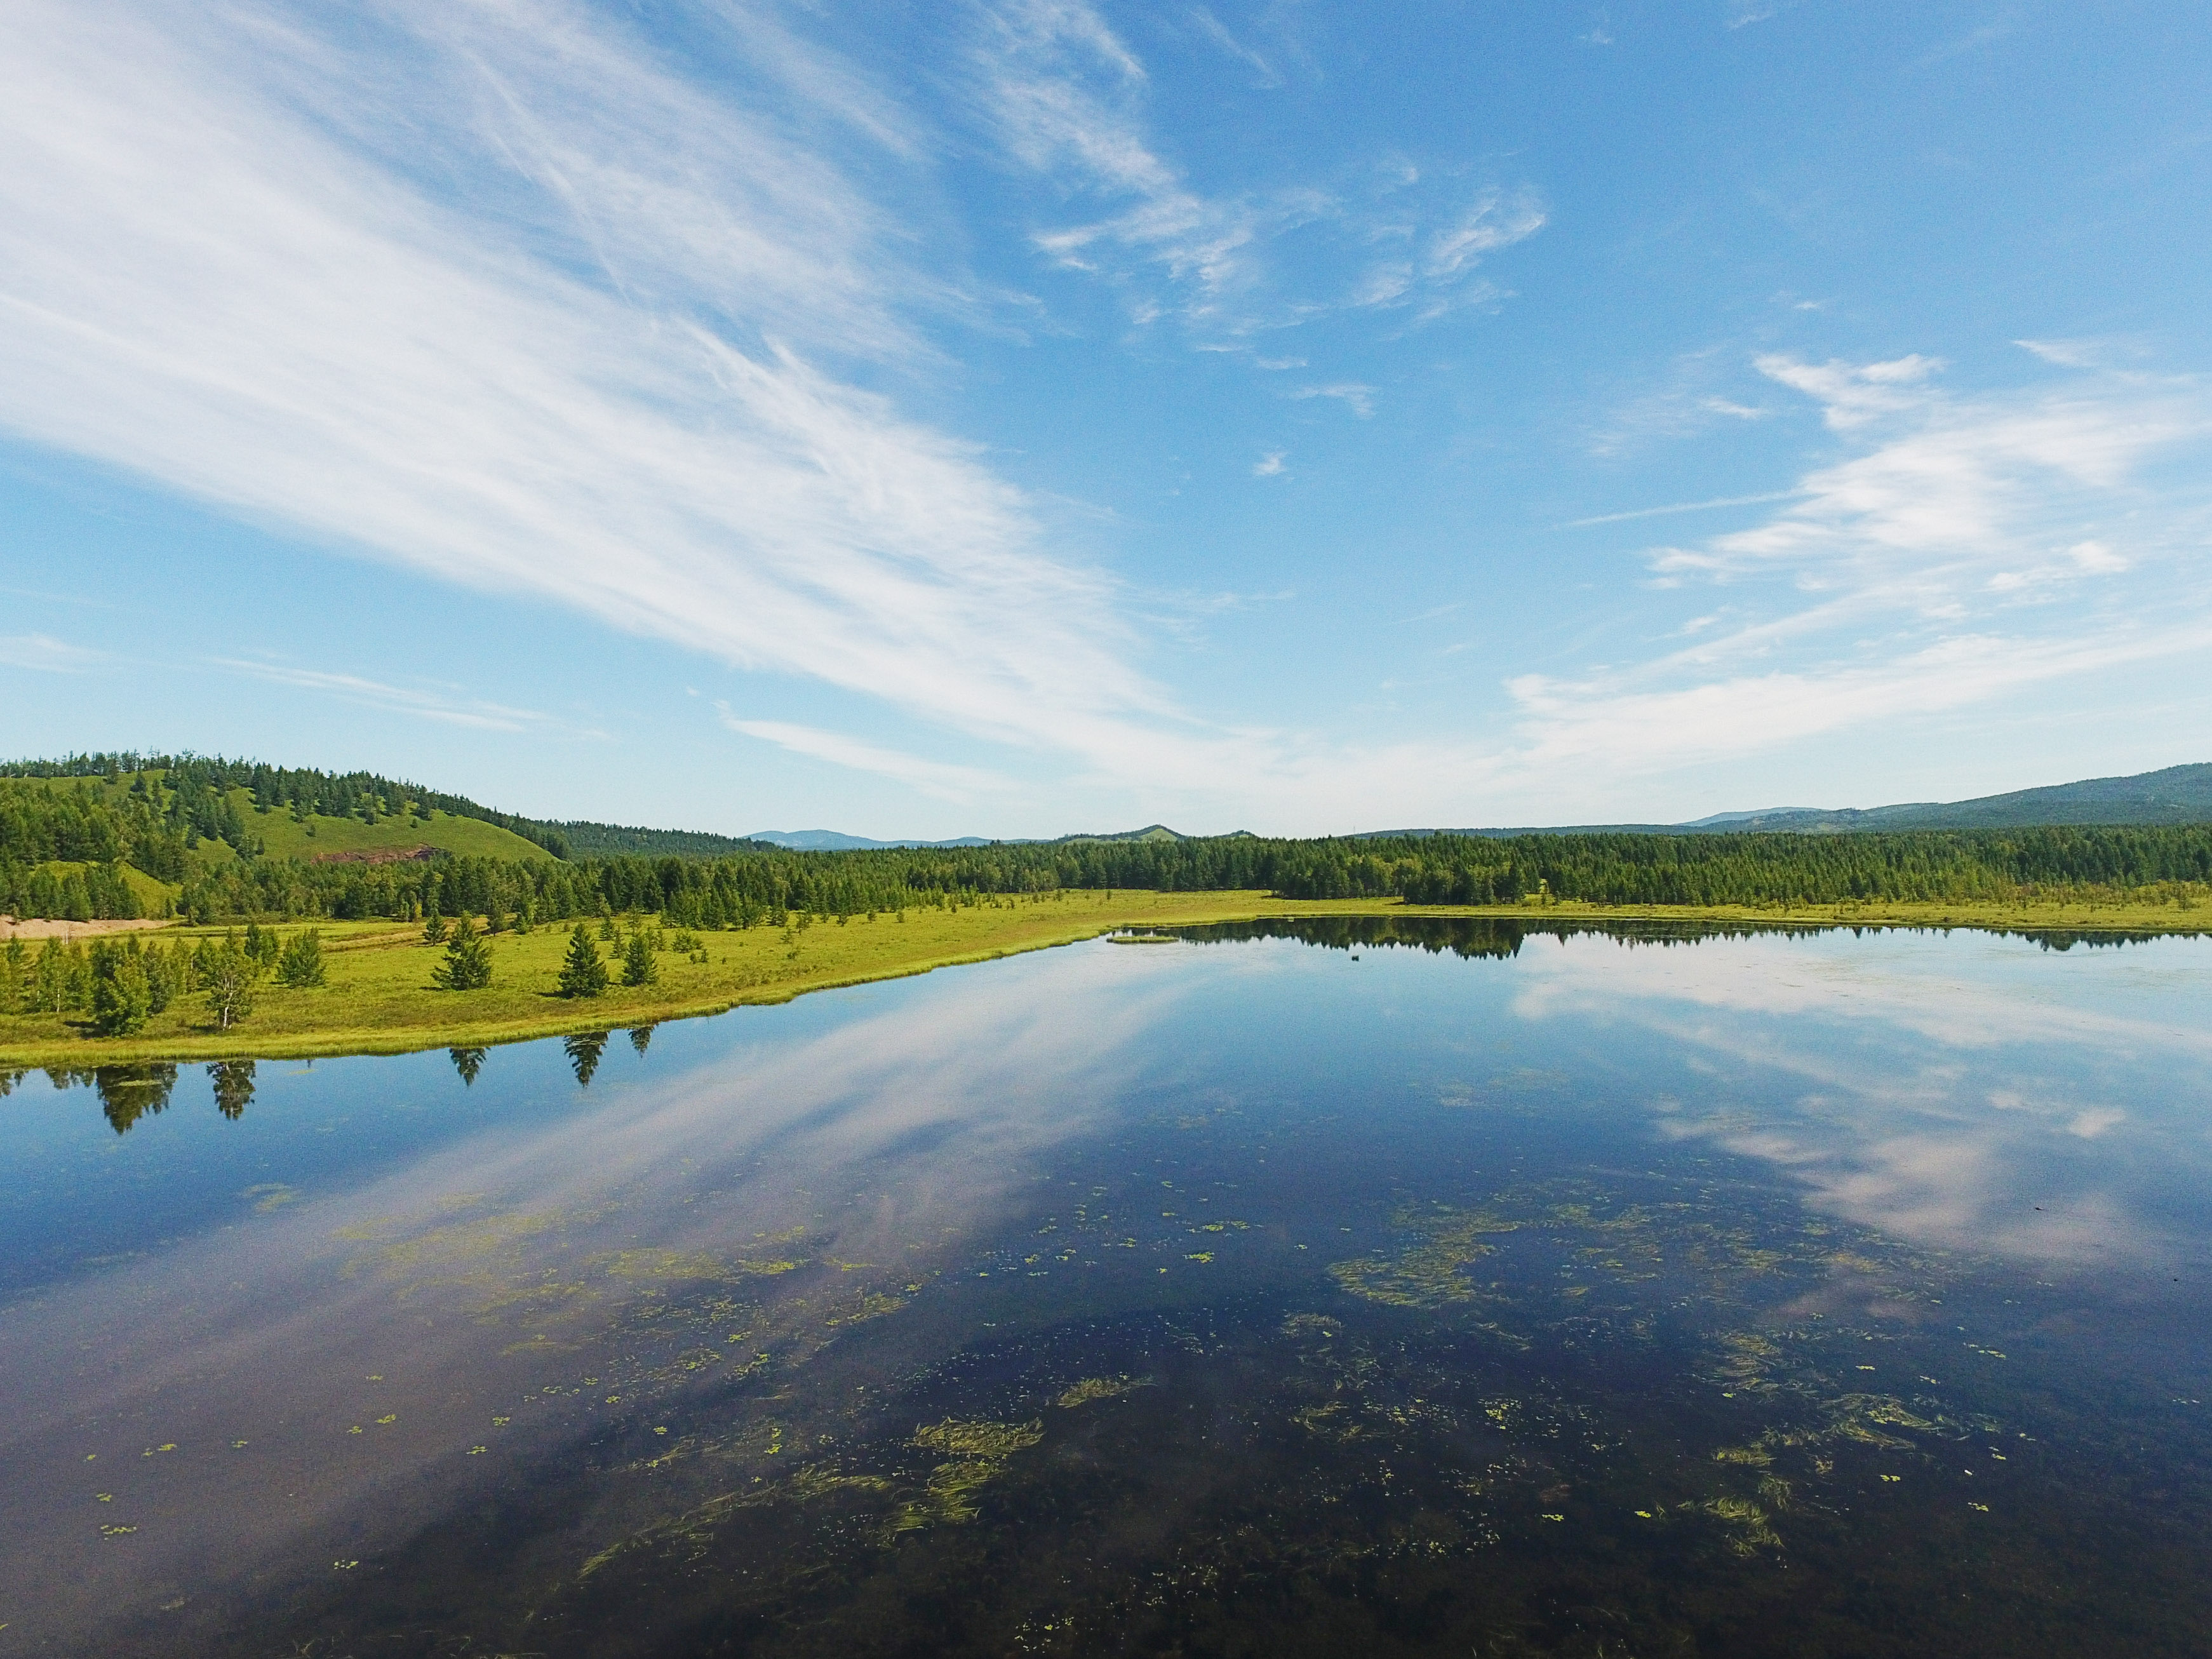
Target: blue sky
(1026, 415)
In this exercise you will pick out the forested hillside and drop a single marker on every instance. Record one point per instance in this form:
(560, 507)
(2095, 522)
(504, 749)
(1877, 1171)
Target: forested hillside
(305, 793)
(2176, 794)
(234, 839)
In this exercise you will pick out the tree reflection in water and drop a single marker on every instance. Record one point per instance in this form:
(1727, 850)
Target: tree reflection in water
(584, 1051)
(128, 1093)
(233, 1086)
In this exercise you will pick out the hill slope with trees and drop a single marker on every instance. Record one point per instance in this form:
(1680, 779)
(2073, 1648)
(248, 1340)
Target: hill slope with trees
(223, 840)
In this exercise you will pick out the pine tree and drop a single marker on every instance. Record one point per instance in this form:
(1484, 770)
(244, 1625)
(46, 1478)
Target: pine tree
(583, 973)
(467, 966)
(468, 1062)
(638, 966)
(301, 966)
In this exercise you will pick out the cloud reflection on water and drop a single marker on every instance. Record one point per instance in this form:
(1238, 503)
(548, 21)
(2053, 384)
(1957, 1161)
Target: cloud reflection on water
(442, 1290)
(1962, 1090)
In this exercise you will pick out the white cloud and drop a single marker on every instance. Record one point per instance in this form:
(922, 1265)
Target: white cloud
(491, 293)
(1212, 27)
(438, 703)
(1950, 488)
(946, 782)
(1621, 720)
(1893, 582)
(1359, 399)
(1699, 390)
(1065, 100)
(1063, 94)
(1495, 221)
(1682, 507)
(45, 652)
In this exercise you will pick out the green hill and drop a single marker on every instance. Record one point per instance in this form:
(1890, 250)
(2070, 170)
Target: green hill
(317, 837)
(196, 789)
(2176, 794)
(310, 836)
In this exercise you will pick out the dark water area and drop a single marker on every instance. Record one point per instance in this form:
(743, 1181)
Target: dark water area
(1344, 1287)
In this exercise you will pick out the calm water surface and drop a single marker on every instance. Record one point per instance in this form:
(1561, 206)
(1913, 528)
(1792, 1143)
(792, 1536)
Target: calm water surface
(1449, 1291)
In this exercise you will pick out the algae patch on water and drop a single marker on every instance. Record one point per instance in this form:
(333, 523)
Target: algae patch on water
(1098, 1388)
(1430, 1272)
(979, 1452)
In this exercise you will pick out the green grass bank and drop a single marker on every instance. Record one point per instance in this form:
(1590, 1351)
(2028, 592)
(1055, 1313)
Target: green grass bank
(379, 998)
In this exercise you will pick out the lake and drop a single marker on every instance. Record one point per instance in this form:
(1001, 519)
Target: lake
(1294, 1288)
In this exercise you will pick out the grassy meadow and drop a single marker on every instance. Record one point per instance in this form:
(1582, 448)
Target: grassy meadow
(380, 999)
(317, 836)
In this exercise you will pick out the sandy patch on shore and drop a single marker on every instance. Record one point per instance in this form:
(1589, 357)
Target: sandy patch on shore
(65, 930)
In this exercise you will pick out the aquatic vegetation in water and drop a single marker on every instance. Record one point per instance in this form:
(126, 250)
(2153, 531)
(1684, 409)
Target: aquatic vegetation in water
(1098, 1388)
(869, 1304)
(1757, 1456)
(979, 1452)
(1746, 1523)
(1432, 1270)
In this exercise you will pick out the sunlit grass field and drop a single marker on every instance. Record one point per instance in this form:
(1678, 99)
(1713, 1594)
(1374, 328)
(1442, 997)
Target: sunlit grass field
(380, 999)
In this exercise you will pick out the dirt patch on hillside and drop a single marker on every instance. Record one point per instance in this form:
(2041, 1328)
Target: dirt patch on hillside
(65, 930)
(388, 856)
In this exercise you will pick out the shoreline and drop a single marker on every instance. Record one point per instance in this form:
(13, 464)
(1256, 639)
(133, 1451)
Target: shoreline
(409, 1018)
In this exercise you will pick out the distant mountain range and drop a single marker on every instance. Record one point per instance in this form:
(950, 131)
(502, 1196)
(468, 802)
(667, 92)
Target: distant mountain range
(306, 813)
(2178, 794)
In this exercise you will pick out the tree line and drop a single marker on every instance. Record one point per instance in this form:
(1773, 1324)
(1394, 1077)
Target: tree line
(153, 823)
(2001, 865)
(122, 982)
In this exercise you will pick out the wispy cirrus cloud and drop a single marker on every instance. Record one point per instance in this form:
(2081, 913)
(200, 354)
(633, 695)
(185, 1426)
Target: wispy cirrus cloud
(1354, 396)
(1435, 273)
(445, 704)
(1918, 575)
(1065, 98)
(1672, 508)
(47, 654)
(493, 293)
(1951, 492)
(1266, 76)
(1649, 720)
(960, 784)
